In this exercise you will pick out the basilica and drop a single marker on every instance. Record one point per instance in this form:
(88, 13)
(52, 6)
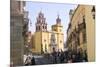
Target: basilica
(44, 41)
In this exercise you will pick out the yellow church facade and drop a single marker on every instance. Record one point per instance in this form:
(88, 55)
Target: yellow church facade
(45, 41)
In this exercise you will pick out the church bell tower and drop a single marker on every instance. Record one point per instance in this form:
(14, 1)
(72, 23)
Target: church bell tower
(57, 27)
(41, 24)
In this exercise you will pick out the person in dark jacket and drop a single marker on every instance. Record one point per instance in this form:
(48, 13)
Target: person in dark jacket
(69, 57)
(66, 56)
(73, 58)
(62, 57)
(79, 55)
(54, 54)
(33, 61)
(85, 56)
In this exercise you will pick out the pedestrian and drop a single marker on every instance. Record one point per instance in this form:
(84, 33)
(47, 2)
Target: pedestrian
(66, 55)
(73, 58)
(54, 57)
(69, 57)
(54, 54)
(62, 57)
(79, 55)
(33, 61)
(28, 61)
(58, 56)
(85, 56)
(58, 53)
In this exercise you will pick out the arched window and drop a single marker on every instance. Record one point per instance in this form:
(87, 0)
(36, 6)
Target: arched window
(84, 24)
(39, 28)
(84, 36)
(43, 27)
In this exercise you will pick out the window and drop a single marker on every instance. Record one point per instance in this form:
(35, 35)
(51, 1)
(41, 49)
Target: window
(39, 28)
(43, 27)
(60, 41)
(83, 19)
(54, 29)
(60, 30)
(84, 36)
(84, 24)
(44, 40)
(53, 40)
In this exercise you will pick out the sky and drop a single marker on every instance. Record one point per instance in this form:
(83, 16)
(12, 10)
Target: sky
(51, 11)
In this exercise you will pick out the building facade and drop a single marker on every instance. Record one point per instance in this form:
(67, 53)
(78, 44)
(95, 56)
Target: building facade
(18, 28)
(81, 30)
(44, 41)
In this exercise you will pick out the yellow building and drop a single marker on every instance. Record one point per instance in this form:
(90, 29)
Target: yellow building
(81, 30)
(45, 41)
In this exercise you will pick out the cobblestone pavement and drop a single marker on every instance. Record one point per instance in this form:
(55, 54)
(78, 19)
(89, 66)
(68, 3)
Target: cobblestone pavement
(41, 60)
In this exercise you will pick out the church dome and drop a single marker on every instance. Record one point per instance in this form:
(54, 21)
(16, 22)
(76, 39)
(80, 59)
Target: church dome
(58, 20)
(41, 15)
